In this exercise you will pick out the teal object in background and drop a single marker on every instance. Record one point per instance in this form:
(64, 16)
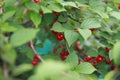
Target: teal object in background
(47, 47)
(100, 77)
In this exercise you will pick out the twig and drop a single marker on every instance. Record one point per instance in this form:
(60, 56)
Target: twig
(35, 52)
(5, 70)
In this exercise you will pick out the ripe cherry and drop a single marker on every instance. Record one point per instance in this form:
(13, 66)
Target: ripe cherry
(63, 57)
(99, 58)
(108, 62)
(88, 58)
(77, 45)
(113, 67)
(34, 62)
(119, 7)
(54, 32)
(57, 14)
(107, 49)
(92, 29)
(94, 62)
(37, 1)
(60, 36)
(36, 56)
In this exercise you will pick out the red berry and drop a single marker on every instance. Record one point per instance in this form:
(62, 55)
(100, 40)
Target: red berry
(92, 29)
(54, 50)
(34, 62)
(63, 57)
(36, 56)
(88, 58)
(99, 58)
(37, 1)
(66, 53)
(62, 53)
(108, 62)
(61, 46)
(119, 7)
(54, 32)
(57, 14)
(107, 49)
(60, 36)
(94, 62)
(113, 67)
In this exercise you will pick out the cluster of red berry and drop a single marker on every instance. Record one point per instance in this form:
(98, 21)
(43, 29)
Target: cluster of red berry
(35, 60)
(60, 36)
(64, 54)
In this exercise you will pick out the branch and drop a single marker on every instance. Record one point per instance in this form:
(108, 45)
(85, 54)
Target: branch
(35, 52)
(5, 70)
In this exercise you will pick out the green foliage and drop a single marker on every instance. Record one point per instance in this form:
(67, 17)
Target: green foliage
(22, 36)
(91, 28)
(85, 68)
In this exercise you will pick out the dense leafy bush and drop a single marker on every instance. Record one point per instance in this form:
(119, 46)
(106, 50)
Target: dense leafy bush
(59, 39)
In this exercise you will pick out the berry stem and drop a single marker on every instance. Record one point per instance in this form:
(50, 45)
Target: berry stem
(35, 52)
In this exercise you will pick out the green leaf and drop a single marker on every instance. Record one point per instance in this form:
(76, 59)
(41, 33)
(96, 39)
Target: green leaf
(115, 14)
(7, 28)
(58, 27)
(9, 54)
(56, 7)
(50, 69)
(102, 52)
(71, 37)
(70, 3)
(110, 75)
(102, 14)
(22, 69)
(32, 6)
(72, 59)
(90, 23)
(45, 10)
(85, 68)
(116, 53)
(22, 36)
(7, 15)
(36, 18)
(85, 33)
(92, 52)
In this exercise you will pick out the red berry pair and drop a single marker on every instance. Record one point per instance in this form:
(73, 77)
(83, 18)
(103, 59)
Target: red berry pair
(35, 60)
(64, 55)
(87, 59)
